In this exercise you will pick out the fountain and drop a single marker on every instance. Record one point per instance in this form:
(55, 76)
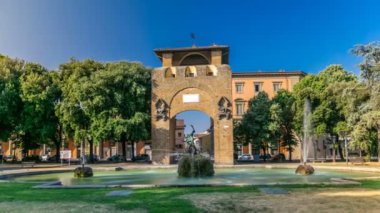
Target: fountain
(194, 164)
(83, 171)
(305, 169)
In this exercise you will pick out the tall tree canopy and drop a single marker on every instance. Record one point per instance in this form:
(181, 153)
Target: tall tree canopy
(256, 122)
(282, 119)
(10, 101)
(325, 111)
(73, 109)
(39, 94)
(120, 103)
(370, 72)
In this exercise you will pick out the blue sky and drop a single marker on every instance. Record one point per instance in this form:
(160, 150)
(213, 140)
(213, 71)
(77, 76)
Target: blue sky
(303, 35)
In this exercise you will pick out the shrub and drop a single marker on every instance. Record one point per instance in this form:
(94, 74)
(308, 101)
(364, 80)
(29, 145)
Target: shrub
(197, 166)
(35, 158)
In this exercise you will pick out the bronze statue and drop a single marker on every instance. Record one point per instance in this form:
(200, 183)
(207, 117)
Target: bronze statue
(190, 141)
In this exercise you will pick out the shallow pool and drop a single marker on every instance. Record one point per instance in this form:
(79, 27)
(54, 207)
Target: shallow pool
(225, 176)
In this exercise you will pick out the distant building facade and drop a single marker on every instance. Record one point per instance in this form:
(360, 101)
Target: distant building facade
(246, 85)
(180, 135)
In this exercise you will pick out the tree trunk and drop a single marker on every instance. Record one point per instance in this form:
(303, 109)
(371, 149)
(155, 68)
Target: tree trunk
(91, 142)
(264, 156)
(58, 148)
(123, 140)
(133, 151)
(58, 143)
(290, 152)
(334, 154)
(340, 150)
(124, 150)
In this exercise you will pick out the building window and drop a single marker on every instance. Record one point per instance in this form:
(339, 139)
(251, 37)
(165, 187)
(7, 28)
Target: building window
(239, 108)
(276, 86)
(258, 87)
(239, 87)
(179, 134)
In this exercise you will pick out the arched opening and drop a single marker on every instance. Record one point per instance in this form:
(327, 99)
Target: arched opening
(171, 72)
(182, 127)
(191, 71)
(211, 70)
(194, 59)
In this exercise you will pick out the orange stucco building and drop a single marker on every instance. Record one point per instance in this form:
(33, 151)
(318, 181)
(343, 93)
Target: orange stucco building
(245, 85)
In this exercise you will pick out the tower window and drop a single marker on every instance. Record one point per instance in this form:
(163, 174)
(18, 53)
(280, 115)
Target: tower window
(190, 71)
(170, 72)
(211, 70)
(194, 59)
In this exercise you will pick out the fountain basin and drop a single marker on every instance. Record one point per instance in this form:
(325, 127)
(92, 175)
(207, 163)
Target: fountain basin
(168, 177)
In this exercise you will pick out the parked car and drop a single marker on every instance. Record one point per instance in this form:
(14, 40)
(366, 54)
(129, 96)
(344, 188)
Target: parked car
(9, 158)
(265, 157)
(44, 158)
(143, 157)
(245, 157)
(116, 158)
(96, 158)
(279, 157)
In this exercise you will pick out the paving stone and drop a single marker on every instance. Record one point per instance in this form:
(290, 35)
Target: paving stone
(273, 191)
(119, 193)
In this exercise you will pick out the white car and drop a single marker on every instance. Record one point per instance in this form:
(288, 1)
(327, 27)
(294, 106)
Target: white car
(245, 157)
(44, 157)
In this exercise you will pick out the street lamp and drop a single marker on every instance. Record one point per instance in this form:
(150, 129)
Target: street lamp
(81, 107)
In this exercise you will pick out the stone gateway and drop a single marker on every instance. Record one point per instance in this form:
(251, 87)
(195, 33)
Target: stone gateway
(196, 78)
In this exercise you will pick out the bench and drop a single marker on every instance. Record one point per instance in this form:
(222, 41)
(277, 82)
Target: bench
(357, 160)
(28, 163)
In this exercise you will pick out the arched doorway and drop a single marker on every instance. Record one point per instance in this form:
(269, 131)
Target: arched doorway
(203, 126)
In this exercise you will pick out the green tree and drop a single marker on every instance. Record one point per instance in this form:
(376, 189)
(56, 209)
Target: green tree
(325, 111)
(39, 94)
(119, 106)
(73, 110)
(370, 67)
(10, 101)
(282, 119)
(255, 123)
(370, 72)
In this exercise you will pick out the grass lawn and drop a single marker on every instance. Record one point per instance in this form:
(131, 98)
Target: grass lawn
(18, 197)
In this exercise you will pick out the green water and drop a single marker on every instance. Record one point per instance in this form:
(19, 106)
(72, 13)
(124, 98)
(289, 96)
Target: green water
(252, 176)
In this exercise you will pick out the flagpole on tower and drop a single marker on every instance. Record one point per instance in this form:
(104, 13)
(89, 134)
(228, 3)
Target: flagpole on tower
(193, 39)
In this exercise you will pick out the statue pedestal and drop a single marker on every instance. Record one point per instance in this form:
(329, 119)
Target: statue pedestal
(81, 172)
(305, 170)
(196, 166)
